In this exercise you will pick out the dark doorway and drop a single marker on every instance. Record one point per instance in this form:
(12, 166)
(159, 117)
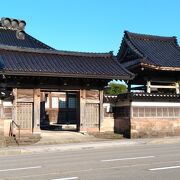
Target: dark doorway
(61, 110)
(68, 108)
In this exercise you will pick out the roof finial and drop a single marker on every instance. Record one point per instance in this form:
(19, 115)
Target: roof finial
(15, 24)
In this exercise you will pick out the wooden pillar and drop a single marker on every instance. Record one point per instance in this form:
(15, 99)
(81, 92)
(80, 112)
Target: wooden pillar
(82, 108)
(37, 99)
(101, 115)
(177, 87)
(148, 87)
(14, 112)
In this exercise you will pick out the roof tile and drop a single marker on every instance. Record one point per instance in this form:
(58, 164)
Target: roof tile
(8, 37)
(62, 65)
(156, 50)
(34, 58)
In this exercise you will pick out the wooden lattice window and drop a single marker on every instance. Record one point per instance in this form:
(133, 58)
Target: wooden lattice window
(165, 112)
(24, 115)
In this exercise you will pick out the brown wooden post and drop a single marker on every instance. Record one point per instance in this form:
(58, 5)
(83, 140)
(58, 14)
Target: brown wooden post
(14, 112)
(101, 115)
(82, 108)
(37, 99)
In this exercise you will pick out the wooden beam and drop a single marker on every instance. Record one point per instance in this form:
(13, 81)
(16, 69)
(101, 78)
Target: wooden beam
(163, 87)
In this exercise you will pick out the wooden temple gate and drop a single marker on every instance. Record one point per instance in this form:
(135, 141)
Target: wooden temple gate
(30, 68)
(30, 107)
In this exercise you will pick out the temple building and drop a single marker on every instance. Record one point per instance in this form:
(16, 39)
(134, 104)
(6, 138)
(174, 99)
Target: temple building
(152, 105)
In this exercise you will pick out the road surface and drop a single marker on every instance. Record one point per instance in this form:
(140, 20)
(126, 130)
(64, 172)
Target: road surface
(138, 162)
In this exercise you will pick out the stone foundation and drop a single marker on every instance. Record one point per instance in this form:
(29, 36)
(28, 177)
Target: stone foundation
(108, 124)
(154, 127)
(89, 129)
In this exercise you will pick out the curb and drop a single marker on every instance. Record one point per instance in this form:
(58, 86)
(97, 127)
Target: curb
(63, 147)
(35, 149)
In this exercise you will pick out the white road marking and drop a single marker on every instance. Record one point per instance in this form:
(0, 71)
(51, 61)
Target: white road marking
(130, 158)
(17, 169)
(68, 178)
(164, 168)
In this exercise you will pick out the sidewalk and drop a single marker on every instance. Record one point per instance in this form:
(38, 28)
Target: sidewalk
(91, 144)
(67, 147)
(63, 137)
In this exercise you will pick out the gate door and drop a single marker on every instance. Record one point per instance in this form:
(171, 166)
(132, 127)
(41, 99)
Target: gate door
(92, 115)
(25, 115)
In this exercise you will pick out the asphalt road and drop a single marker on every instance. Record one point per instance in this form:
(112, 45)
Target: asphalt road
(138, 162)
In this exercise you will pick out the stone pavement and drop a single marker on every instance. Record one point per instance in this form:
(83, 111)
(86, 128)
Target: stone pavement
(63, 141)
(62, 137)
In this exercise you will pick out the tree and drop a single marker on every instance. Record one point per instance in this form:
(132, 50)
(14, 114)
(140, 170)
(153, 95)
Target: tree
(115, 88)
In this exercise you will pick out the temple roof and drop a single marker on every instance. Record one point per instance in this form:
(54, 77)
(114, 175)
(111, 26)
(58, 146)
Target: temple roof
(55, 63)
(33, 58)
(154, 52)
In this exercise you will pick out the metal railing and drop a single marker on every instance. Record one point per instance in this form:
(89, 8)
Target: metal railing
(12, 134)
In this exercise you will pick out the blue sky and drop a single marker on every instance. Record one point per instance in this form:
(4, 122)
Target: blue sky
(93, 25)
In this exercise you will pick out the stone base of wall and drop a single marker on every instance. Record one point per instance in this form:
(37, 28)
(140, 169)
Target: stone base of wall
(89, 129)
(25, 131)
(122, 126)
(108, 124)
(7, 123)
(154, 127)
(37, 130)
(6, 129)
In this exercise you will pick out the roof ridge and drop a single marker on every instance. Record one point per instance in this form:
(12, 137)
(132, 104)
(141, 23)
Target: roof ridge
(64, 52)
(151, 37)
(54, 51)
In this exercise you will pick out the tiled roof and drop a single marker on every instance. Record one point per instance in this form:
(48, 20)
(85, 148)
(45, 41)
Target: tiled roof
(8, 37)
(153, 50)
(34, 58)
(149, 97)
(26, 61)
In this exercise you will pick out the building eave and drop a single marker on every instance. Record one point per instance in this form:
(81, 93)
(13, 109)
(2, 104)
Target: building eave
(161, 68)
(46, 74)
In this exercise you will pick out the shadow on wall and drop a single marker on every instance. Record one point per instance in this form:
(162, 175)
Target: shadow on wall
(122, 126)
(122, 122)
